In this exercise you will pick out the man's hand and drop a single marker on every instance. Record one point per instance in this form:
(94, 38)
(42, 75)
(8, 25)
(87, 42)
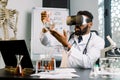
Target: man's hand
(62, 38)
(46, 29)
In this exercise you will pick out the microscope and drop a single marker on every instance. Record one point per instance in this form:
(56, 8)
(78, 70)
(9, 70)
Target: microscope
(112, 47)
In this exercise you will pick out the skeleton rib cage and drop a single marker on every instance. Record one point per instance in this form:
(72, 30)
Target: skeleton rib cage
(8, 18)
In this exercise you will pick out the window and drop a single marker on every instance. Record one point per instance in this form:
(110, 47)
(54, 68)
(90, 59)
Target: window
(109, 20)
(101, 17)
(115, 21)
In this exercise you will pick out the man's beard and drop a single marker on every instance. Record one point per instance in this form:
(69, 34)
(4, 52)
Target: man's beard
(81, 32)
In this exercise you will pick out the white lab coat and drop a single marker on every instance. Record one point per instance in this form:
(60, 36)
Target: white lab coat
(49, 40)
(76, 58)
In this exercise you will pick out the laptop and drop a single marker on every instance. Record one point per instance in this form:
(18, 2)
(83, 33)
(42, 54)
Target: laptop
(10, 48)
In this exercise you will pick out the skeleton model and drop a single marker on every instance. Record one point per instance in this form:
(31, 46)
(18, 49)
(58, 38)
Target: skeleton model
(8, 21)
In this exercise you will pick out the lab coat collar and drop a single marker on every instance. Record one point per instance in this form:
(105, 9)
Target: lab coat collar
(85, 38)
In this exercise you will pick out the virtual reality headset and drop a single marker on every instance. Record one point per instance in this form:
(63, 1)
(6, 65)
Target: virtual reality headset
(77, 20)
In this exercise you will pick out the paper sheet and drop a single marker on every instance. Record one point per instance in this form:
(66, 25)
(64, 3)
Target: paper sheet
(59, 73)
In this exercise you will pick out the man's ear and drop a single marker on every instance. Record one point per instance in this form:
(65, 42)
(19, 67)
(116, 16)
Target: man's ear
(90, 24)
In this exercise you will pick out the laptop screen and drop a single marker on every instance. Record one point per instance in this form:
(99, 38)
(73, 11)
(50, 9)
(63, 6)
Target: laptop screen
(10, 48)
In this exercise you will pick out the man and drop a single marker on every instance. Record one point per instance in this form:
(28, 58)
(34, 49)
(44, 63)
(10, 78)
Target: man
(85, 51)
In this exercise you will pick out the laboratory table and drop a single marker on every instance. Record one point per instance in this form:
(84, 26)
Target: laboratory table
(83, 73)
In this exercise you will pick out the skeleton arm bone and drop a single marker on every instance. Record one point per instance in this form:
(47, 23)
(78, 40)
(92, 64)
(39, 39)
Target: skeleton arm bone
(15, 30)
(13, 20)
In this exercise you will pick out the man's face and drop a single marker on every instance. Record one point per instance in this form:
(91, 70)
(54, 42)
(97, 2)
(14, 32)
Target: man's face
(81, 30)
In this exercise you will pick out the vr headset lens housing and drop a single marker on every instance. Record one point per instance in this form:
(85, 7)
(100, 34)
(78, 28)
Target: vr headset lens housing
(78, 20)
(71, 20)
